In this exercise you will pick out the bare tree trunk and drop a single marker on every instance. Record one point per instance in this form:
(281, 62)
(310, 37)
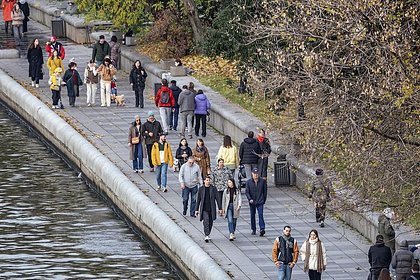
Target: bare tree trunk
(195, 22)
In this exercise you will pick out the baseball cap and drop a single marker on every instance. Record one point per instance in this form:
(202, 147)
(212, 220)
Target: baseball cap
(150, 113)
(255, 170)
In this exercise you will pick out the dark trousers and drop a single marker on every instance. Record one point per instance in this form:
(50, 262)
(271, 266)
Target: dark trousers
(149, 154)
(200, 119)
(253, 209)
(7, 25)
(35, 79)
(25, 25)
(207, 223)
(139, 98)
(314, 275)
(173, 118)
(219, 197)
(55, 97)
(320, 209)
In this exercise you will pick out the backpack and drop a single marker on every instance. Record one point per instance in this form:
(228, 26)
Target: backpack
(164, 97)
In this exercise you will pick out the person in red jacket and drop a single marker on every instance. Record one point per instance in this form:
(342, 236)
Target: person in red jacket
(53, 45)
(7, 6)
(165, 100)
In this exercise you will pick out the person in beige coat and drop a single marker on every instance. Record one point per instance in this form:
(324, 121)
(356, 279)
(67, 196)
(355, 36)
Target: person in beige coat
(231, 206)
(106, 71)
(314, 256)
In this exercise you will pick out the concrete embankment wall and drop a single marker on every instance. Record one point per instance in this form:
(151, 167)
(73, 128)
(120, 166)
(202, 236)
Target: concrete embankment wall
(184, 253)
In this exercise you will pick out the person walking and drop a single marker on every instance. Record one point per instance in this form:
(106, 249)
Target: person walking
(249, 152)
(101, 50)
(55, 81)
(7, 6)
(24, 6)
(285, 253)
(402, 261)
(265, 153)
(314, 256)
(183, 153)
(202, 106)
(136, 145)
(379, 257)
(220, 176)
(162, 158)
(173, 118)
(321, 195)
(186, 103)
(91, 81)
(17, 22)
(202, 157)
(190, 179)
(256, 192)
(138, 81)
(53, 45)
(106, 71)
(231, 206)
(151, 130)
(206, 206)
(115, 51)
(72, 80)
(165, 100)
(386, 229)
(36, 61)
(229, 153)
(54, 62)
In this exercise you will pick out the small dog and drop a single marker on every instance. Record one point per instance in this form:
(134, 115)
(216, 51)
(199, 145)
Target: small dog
(176, 165)
(120, 100)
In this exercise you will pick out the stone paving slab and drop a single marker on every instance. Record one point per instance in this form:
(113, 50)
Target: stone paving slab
(249, 257)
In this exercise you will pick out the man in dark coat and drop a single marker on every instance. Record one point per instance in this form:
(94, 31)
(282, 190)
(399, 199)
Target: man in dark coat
(23, 5)
(150, 130)
(256, 192)
(402, 261)
(379, 257)
(249, 153)
(206, 206)
(173, 118)
(100, 50)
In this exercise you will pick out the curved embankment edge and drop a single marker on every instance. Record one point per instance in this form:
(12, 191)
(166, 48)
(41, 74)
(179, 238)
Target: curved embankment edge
(184, 253)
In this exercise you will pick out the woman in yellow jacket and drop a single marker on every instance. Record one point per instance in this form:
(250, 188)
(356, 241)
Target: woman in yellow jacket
(229, 153)
(161, 159)
(54, 62)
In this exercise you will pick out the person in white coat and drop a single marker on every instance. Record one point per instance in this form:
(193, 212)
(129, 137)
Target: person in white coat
(231, 205)
(314, 256)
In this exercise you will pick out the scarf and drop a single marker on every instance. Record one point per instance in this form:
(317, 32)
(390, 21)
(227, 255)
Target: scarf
(201, 149)
(320, 266)
(260, 138)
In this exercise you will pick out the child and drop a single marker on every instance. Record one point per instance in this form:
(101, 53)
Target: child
(113, 89)
(73, 81)
(55, 83)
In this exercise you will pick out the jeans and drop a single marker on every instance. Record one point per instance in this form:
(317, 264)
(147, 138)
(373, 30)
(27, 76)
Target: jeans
(17, 31)
(139, 98)
(161, 174)
(260, 209)
(165, 113)
(173, 119)
(105, 93)
(91, 93)
(202, 119)
(185, 195)
(138, 157)
(186, 120)
(285, 272)
(231, 220)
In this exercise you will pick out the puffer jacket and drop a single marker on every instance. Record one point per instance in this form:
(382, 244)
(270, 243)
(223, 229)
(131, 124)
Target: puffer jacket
(402, 260)
(249, 150)
(202, 104)
(387, 231)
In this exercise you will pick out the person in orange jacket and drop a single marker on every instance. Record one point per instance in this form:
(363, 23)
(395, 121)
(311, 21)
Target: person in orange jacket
(7, 6)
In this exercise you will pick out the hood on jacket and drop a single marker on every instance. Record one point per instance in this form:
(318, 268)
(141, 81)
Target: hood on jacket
(200, 97)
(250, 140)
(403, 245)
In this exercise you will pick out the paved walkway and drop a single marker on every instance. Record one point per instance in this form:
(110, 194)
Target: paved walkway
(249, 257)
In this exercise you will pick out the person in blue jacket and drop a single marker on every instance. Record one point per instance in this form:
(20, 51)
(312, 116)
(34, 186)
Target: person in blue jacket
(256, 192)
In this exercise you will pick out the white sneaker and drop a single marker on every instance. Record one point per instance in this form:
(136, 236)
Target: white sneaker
(88, 105)
(158, 188)
(231, 237)
(141, 171)
(33, 84)
(207, 239)
(37, 85)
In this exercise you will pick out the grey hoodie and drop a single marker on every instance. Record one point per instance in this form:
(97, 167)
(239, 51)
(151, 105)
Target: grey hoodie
(186, 101)
(190, 175)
